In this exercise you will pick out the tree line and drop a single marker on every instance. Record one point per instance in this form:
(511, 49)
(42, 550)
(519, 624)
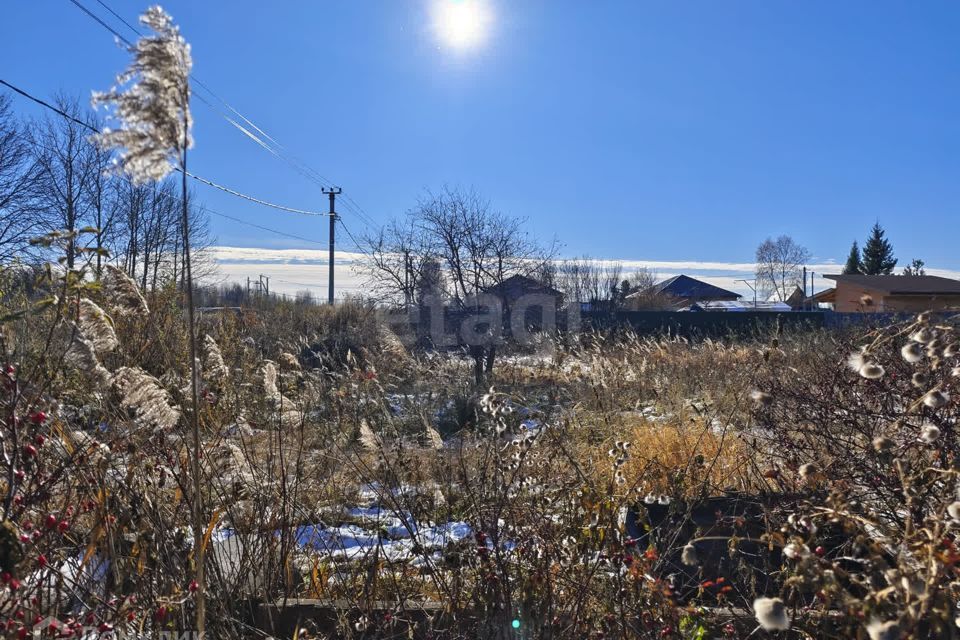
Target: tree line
(877, 257)
(53, 177)
(780, 263)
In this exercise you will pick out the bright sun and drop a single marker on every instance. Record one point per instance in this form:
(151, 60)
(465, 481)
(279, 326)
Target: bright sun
(461, 24)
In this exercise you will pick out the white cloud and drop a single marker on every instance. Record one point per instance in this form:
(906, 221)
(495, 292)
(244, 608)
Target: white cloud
(293, 270)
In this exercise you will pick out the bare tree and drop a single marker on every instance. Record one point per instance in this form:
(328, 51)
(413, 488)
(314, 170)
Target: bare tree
(455, 242)
(596, 282)
(641, 294)
(401, 258)
(67, 162)
(103, 204)
(19, 174)
(477, 246)
(779, 266)
(148, 233)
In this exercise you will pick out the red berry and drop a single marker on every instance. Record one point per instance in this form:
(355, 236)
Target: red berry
(38, 418)
(14, 584)
(29, 450)
(20, 475)
(22, 633)
(24, 538)
(131, 616)
(51, 521)
(27, 525)
(193, 586)
(820, 551)
(42, 560)
(40, 439)
(63, 526)
(105, 627)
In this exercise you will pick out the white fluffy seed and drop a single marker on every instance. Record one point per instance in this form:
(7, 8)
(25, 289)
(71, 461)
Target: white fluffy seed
(771, 614)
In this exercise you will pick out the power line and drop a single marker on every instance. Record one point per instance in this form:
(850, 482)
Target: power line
(49, 106)
(251, 198)
(213, 211)
(280, 151)
(205, 181)
(262, 228)
(356, 244)
(103, 24)
(118, 17)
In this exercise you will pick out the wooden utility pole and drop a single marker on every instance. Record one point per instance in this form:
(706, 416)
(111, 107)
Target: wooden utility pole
(332, 192)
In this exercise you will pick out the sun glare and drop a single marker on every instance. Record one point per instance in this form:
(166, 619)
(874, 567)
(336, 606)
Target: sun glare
(461, 24)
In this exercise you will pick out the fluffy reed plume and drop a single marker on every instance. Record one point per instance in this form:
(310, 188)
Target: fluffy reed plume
(150, 102)
(80, 443)
(123, 293)
(268, 382)
(432, 437)
(366, 438)
(142, 393)
(230, 470)
(391, 346)
(97, 326)
(216, 369)
(82, 356)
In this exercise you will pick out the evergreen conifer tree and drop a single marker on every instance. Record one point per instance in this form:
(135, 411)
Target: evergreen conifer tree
(878, 253)
(854, 263)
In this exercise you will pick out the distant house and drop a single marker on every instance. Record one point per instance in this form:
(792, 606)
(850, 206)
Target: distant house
(797, 299)
(532, 296)
(682, 291)
(858, 292)
(825, 299)
(515, 287)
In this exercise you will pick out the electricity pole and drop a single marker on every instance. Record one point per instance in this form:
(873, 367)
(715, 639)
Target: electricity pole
(332, 192)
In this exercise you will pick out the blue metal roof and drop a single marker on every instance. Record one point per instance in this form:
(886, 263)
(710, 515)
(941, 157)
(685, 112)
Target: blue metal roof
(686, 287)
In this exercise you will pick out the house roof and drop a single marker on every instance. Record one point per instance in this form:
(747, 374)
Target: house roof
(901, 285)
(740, 305)
(517, 285)
(686, 287)
(826, 296)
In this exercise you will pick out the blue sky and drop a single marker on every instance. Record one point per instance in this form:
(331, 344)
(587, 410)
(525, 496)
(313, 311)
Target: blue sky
(636, 130)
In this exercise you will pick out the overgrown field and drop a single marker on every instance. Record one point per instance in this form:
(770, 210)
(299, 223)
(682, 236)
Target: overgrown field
(571, 499)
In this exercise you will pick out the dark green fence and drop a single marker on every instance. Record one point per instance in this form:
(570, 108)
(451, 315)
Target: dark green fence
(706, 323)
